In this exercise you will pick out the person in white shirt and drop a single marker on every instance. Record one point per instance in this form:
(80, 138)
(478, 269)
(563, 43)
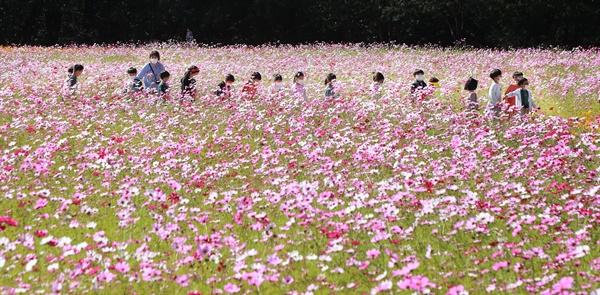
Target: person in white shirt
(276, 88)
(495, 93)
(523, 101)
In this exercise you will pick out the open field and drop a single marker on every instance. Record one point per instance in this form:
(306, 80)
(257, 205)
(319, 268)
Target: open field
(105, 194)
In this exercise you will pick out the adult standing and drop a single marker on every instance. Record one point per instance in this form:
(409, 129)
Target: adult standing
(150, 73)
(189, 37)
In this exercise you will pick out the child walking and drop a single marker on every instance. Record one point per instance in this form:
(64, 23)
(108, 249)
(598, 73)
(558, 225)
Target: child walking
(495, 93)
(418, 89)
(512, 87)
(225, 88)
(133, 85)
(523, 98)
(419, 83)
(188, 83)
(71, 84)
(434, 82)
(163, 86)
(377, 85)
(276, 88)
(250, 89)
(472, 101)
(298, 89)
(330, 89)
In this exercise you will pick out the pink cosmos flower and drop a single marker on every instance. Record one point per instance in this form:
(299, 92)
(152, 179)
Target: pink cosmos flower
(182, 280)
(418, 283)
(457, 290)
(288, 280)
(41, 203)
(122, 267)
(502, 264)
(106, 276)
(373, 253)
(231, 288)
(364, 265)
(564, 283)
(383, 286)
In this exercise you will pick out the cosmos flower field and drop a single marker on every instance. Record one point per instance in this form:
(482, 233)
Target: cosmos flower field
(105, 193)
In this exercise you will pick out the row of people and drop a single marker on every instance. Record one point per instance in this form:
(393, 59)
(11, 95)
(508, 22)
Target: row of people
(153, 76)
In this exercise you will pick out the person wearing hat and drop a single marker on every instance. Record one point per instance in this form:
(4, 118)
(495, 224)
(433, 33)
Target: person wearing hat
(419, 81)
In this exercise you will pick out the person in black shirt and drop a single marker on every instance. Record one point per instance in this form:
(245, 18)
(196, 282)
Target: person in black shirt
(225, 88)
(71, 85)
(419, 81)
(188, 83)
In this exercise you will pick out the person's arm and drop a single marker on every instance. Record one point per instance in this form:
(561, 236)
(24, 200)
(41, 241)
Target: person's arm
(142, 74)
(512, 94)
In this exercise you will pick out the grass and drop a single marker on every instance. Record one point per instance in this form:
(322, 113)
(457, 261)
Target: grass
(231, 156)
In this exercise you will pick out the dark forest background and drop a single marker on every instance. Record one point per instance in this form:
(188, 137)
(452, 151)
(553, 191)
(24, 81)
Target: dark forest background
(491, 23)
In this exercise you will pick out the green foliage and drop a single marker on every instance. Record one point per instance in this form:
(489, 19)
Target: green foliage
(501, 23)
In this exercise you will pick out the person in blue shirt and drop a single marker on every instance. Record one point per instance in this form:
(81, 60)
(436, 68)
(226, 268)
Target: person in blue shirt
(150, 73)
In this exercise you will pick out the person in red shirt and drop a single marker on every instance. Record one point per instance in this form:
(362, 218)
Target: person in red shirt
(250, 89)
(512, 87)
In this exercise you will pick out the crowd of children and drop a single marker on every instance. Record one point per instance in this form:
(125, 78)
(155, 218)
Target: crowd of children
(154, 77)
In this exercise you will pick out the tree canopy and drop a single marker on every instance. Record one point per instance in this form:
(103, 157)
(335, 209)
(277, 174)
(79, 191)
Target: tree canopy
(499, 23)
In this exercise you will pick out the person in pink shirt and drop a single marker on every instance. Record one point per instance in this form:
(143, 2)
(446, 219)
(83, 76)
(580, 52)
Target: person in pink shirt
(377, 85)
(298, 89)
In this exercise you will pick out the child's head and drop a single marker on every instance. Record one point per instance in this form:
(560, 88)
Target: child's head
(255, 77)
(277, 80)
(517, 76)
(435, 82)
(77, 70)
(164, 76)
(229, 79)
(523, 83)
(471, 84)
(378, 77)
(299, 78)
(70, 70)
(132, 72)
(192, 71)
(154, 56)
(496, 74)
(330, 78)
(419, 74)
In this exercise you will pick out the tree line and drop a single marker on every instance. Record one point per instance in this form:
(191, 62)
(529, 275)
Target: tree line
(497, 23)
